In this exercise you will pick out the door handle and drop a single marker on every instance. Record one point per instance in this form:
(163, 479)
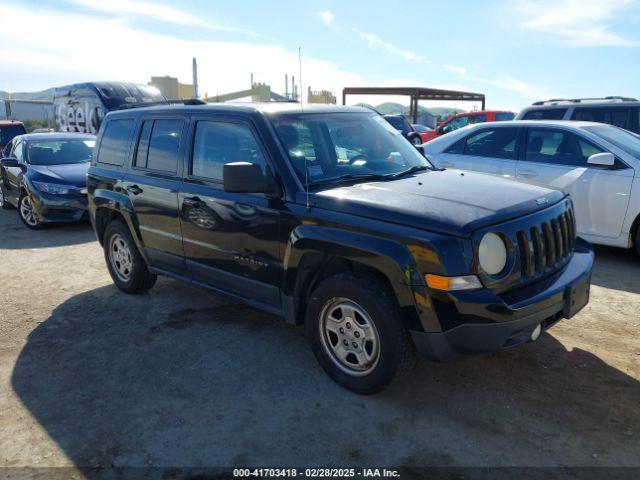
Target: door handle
(527, 173)
(194, 202)
(135, 189)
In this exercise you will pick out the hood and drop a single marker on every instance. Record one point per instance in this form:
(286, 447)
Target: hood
(66, 174)
(446, 201)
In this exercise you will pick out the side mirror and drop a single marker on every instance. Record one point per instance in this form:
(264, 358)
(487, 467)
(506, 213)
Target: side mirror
(10, 163)
(245, 177)
(605, 159)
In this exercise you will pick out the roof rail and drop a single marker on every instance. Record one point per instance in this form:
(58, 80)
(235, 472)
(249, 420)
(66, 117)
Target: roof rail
(580, 100)
(188, 101)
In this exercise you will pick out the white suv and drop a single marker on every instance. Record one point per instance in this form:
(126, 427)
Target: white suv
(597, 164)
(621, 112)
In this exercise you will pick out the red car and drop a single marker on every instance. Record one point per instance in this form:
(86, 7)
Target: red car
(8, 130)
(460, 120)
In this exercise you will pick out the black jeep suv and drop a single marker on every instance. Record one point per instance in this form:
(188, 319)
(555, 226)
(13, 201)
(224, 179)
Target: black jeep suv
(329, 217)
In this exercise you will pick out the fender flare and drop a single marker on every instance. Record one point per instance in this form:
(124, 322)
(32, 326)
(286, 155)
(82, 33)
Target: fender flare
(392, 259)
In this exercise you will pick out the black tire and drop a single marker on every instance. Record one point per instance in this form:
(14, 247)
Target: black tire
(416, 140)
(637, 242)
(30, 222)
(4, 203)
(396, 351)
(139, 279)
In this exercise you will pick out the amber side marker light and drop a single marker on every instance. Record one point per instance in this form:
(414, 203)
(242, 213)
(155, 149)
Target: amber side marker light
(438, 282)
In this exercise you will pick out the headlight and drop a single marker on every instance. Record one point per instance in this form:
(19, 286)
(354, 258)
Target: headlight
(492, 254)
(52, 188)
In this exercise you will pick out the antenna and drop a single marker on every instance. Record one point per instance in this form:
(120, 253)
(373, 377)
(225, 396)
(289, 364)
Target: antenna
(306, 160)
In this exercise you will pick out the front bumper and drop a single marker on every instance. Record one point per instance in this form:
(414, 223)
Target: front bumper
(59, 208)
(497, 322)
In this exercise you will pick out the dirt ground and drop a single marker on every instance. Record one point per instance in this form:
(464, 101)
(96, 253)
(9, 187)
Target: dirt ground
(184, 377)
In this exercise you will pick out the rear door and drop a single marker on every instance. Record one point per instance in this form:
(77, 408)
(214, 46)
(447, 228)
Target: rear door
(557, 158)
(152, 184)
(230, 239)
(488, 150)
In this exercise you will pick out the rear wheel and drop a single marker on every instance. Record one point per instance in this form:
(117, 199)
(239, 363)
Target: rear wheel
(126, 266)
(27, 213)
(356, 332)
(4, 203)
(416, 140)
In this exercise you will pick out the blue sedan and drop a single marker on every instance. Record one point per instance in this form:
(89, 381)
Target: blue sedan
(44, 175)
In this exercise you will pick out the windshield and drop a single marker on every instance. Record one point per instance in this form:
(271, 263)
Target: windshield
(624, 140)
(7, 132)
(57, 152)
(336, 145)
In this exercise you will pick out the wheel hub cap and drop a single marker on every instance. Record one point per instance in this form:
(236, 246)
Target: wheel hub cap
(120, 257)
(349, 336)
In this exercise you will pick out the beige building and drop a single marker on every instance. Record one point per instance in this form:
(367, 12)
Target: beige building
(323, 96)
(171, 88)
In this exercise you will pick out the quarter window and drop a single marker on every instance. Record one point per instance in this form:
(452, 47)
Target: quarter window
(545, 114)
(217, 143)
(164, 145)
(495, 142)
(558, 147)
(114, 146)
(619, 117)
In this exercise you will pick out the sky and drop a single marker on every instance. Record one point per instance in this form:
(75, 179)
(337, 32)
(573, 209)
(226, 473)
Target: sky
(515, 52)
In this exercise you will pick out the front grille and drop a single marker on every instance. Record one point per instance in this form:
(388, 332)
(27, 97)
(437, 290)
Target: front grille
(546, 246)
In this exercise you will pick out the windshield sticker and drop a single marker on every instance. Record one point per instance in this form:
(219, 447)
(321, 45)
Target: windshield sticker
(387, 125)
(314, 170)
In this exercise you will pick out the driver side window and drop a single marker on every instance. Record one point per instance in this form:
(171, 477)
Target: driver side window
(17, 150)
(217, 143)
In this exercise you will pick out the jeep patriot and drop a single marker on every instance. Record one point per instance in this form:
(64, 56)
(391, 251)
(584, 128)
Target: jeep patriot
(327, 216)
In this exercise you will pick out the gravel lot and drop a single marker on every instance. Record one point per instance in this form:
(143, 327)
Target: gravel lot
(184, 377)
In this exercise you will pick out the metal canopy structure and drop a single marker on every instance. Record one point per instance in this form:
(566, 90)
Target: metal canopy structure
(416, 93)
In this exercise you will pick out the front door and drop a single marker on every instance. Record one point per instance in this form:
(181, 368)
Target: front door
(12, 176)
(557, 158)
(230, 239)
(152, 184)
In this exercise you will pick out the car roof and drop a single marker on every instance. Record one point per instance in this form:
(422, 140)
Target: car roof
(57, 136)
(4, 123)
(535, 123)
(585, 102)
(267, 108)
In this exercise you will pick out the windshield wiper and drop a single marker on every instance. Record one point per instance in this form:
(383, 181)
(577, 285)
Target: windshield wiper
(349, 176)
(415, 168)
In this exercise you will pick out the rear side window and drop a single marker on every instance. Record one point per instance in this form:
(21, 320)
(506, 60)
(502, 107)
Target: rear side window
(159, 145)
(505, 116)
(114, 145)
(619, 117)
(545, 114)
(494, 142)
(217, 143)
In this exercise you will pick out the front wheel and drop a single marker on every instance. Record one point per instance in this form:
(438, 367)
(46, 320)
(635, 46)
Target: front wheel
(638, 240)
(357, 333)
(126, 266)
(416, 140)
(27, 213)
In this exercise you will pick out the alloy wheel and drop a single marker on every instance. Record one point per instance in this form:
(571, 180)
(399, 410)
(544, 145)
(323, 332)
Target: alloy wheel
(349, 336)
(26, 212)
